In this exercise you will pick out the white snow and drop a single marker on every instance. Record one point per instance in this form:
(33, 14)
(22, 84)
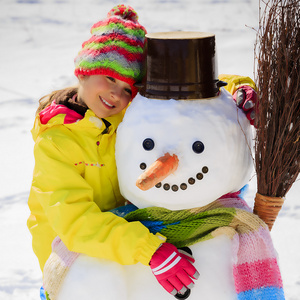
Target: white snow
(39, 40)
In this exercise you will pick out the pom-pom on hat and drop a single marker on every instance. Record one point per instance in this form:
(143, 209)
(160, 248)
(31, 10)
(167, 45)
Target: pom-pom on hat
(116, 48)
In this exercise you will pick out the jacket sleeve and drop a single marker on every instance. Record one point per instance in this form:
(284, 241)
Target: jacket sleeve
(236, 81)
(67, 201)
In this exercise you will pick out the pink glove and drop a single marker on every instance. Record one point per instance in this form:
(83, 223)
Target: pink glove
(173, 269)
(246, 98)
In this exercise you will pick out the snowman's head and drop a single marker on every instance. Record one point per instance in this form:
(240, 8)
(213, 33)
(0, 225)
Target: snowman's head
(208, 143)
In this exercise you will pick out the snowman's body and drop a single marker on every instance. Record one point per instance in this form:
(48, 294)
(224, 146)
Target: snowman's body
(95, 279)
(224, 163)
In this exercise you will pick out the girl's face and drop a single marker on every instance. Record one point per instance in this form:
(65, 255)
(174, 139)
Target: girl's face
(104, 95)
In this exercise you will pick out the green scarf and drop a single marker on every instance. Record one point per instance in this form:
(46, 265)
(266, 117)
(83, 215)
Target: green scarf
(187, 227)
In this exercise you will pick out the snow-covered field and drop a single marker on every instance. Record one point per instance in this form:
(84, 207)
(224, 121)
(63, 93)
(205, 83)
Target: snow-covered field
(39, 40)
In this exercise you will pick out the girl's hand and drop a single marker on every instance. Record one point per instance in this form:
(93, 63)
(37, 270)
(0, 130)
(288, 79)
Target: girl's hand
(246, 99)
(173, 270)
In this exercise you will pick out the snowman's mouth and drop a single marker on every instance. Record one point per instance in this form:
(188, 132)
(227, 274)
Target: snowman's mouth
(183, 186)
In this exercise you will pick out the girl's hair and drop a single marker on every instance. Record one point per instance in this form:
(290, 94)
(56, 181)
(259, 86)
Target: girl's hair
(48, 99)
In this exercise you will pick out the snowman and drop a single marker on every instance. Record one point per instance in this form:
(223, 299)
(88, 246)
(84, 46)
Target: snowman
(183, 154)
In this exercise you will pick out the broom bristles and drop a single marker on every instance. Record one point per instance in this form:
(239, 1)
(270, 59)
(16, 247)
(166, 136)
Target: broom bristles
(277, 152)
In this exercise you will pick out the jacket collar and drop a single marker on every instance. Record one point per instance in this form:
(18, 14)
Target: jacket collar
(57, 114)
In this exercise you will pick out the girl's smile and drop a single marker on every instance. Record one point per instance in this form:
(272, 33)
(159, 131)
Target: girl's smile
(106, 103)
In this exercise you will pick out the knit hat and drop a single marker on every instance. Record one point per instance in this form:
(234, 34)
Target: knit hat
(116, 48)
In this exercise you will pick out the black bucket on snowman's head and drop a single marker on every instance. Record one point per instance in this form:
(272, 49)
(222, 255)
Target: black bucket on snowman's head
(180, 65)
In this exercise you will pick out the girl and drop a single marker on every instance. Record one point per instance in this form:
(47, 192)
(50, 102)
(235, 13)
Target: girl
(75, 179)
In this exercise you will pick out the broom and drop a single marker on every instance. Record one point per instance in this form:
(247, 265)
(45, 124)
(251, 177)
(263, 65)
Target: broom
(277, 155)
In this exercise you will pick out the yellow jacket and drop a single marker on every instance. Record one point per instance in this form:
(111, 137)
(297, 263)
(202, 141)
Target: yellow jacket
(74, 185)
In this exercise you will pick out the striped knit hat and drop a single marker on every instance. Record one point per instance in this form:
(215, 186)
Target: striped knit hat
(116, 48)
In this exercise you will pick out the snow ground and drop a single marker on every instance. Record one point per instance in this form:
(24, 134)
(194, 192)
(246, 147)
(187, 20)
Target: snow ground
(39, 40)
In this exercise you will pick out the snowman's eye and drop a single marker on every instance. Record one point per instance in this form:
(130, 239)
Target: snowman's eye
(198, 147)
(148, 144)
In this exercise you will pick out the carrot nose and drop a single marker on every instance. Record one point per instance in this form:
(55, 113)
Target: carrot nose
(158, 171)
